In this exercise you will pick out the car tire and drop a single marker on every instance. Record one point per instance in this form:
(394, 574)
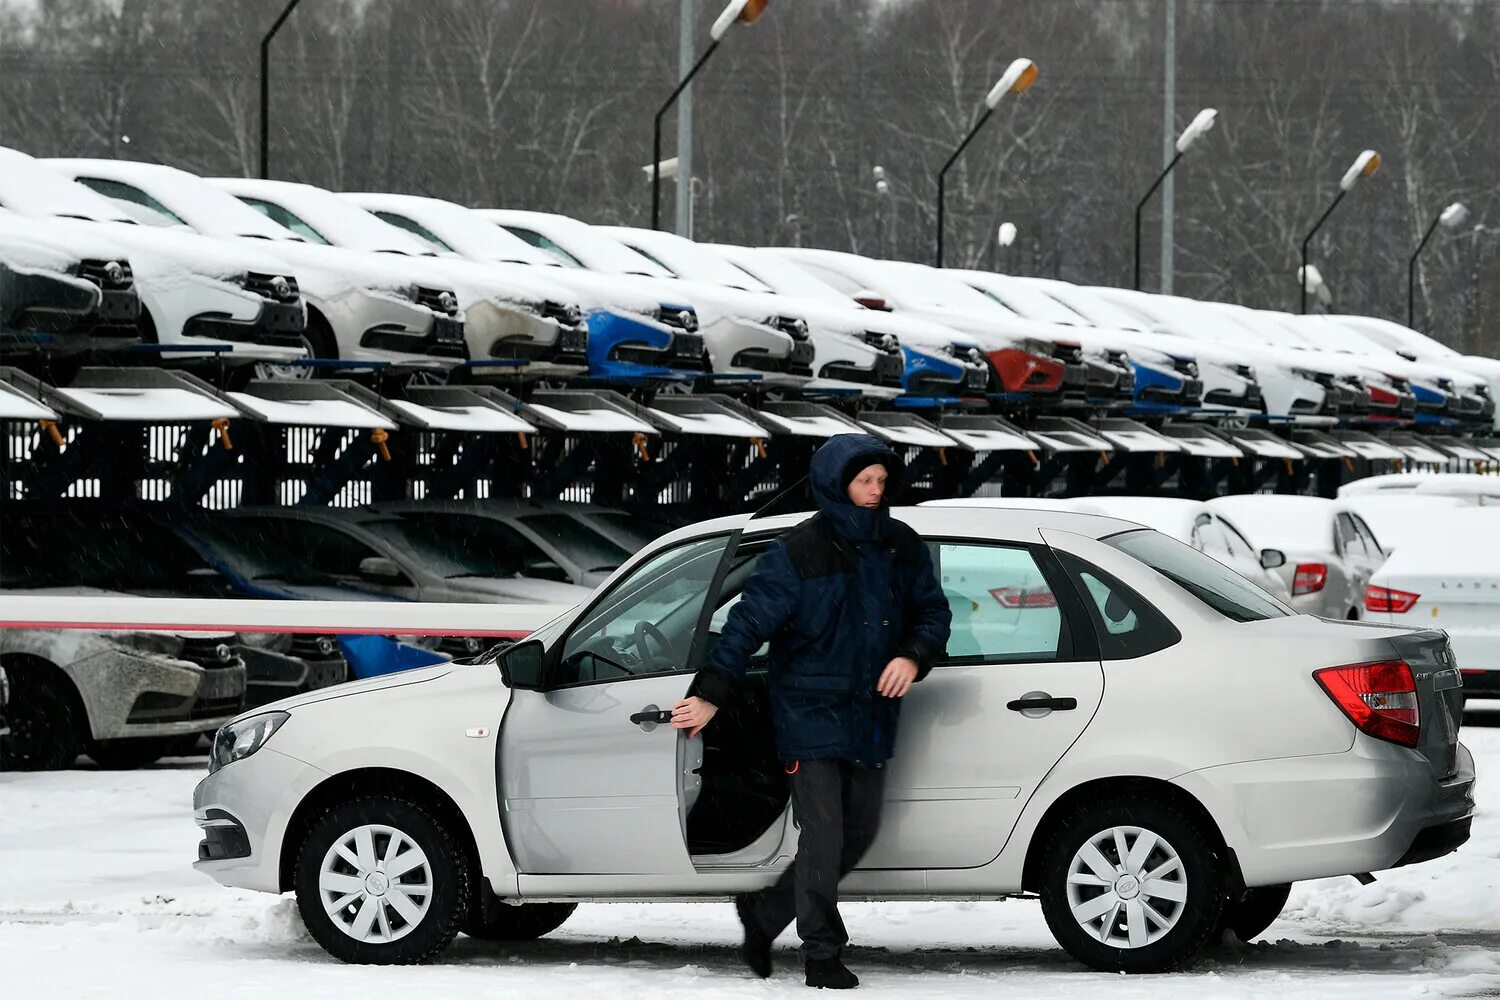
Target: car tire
(1251, 912)
(527, 922)
(129, 754)
(379, 923)
(1107, 922)
(46, 722)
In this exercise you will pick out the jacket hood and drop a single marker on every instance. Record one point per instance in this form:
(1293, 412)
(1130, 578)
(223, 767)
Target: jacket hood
(834, 464)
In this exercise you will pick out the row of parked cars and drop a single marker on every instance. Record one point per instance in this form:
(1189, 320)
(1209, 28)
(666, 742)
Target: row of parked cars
(127, 698)
(269, 272)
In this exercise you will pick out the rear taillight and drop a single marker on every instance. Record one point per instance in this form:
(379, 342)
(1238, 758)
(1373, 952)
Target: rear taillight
(1309, 578)
(1022, 371)
(1020, 597)
(1379, 698)
(1396, 602)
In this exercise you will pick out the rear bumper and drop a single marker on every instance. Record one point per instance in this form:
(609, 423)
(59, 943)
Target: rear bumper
(1371, 808)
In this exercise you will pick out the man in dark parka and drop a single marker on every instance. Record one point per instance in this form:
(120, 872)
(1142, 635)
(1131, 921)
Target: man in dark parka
(855, 615)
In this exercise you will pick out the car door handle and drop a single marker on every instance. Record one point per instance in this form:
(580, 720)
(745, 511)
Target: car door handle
(1055, 704)
(652, 715)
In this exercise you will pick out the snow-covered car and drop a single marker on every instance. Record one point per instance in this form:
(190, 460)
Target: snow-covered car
(845, 355)
(1033, 362)
(511, 313)
(389, 557)
(1417, 346)
(1393, 514)
(62, 290)
(1330, 551)
(194, 291)
(1228, 381)
(747, 335)
(1480, 487)
(635, 332)
(534, 778)
(498, 536)
(1446, 575)
(361, 306)
(1294, 385)
(1193, 522)
(940, 361)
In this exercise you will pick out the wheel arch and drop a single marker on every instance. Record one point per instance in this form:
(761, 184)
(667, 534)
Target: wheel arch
(1142, 787)
(17, 663)
(347, 785)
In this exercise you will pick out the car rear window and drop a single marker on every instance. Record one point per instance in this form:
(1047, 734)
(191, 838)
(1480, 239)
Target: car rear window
(1207, 579)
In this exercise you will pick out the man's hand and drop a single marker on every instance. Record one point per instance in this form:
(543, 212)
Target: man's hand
(897, 677)
(693, 714)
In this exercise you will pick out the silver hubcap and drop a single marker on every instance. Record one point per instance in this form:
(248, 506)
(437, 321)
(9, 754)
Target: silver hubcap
(277, 370)
(1127, 887)
(375, 884)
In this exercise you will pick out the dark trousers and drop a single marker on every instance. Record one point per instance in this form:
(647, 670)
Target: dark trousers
(836, 807)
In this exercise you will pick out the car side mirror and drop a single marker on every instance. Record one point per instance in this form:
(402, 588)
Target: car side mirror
(379, 568)
(1272, 558)
(521, 665)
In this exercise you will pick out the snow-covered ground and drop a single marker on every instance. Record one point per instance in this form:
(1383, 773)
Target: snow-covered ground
(97, 899)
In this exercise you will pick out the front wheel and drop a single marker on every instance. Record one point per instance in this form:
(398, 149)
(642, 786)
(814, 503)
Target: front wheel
(526, 922)
(381, 880)
(1132, 885)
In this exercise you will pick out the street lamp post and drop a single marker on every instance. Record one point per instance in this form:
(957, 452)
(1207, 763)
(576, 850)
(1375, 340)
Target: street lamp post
(1451, 218)
(265, 89)
(744, 11)
(1364, 165)
(1017, 79)
(1197, 129)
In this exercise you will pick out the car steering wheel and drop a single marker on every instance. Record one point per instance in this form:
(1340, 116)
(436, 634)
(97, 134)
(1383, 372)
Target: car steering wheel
(643, 628)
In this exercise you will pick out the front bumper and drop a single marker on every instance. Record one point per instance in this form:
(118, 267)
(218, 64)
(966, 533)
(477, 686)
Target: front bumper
(744, 347)
(253, 801)
(495, 330)
(134, 695)
(1368, 809)
(279, 324)
(623, 346)
(931, 374)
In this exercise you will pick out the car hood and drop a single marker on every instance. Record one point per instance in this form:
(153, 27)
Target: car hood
(163, 253)
(594, 289)
(474, 281)
(419, 675)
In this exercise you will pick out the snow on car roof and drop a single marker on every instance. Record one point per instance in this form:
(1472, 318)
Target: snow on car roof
(1467, 483)
(341, 222)
(28, 187)
(463, 229)
(597, 250)
(208, 209)
(1280, 521)
(1393, 515)
(686, 259)
(1461, 542)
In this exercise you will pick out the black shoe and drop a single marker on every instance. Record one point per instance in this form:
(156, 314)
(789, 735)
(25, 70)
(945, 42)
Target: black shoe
(756, 951)
(830, 974)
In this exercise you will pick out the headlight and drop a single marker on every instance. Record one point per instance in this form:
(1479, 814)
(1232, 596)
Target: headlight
(239, 740)
(114, 272)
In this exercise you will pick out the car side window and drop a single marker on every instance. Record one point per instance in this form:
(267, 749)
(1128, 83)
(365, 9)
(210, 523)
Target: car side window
(1004, 608)
(1348, 536)
(1125, 623)
(1371, 542)
(1209, 538)
(1238, 540)
(645, 624)
(414, 227)
(131, 193)
(541, 242)
(283, 218)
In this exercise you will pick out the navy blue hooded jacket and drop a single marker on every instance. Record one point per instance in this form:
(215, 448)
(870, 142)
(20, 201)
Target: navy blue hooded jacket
(838, 597)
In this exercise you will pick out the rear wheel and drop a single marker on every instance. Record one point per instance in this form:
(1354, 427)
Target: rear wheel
(381, 880)
(1132, 885)
(1249, 914)
(46, 722)
(526, 922)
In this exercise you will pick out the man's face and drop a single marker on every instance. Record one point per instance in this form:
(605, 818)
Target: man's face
(866, 489)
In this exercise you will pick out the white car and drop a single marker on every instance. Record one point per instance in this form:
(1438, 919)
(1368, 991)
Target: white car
(1330, 551)
(940, 361)
(1419, 347)
(1190, 521)
(1482, 488)
(361, 306)
(62, 289)
(845, 356)
(634, 331)
(239, 300)
(1228, 380)
(1035, 361)
(1446, 575)
(1394, 514)
(748, 335)
(510, 312)
(1126, 782)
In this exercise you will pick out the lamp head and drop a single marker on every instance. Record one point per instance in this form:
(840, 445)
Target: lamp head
(1455, 216)
(743, 11)
(1364, 165)
(1006, 234)
(1200, 126)
(1017, 79)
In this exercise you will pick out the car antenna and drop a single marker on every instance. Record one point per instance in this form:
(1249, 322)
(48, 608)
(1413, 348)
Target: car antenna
(765, 509)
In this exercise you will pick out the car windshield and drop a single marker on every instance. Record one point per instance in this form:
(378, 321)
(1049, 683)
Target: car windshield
(1030, 302)
(783, 276)
(595, 249)
(687, 259)
(107, 552)
(345, 224)
(455, 545)
(1207, 579)
(581, 544)
(260, 549)
(918, 285)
